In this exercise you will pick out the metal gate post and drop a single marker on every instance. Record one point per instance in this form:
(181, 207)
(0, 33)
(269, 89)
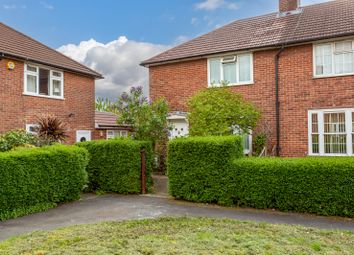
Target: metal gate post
(143, 171)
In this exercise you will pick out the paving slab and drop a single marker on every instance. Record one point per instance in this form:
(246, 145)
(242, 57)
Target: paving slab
(111, 207)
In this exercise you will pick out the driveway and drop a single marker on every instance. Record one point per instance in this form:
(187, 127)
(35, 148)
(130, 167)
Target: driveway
(111, 207)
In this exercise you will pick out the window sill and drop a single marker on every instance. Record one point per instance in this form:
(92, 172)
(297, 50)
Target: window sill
(42, 96)
(231, 85)
(332, 76)
(330, 155)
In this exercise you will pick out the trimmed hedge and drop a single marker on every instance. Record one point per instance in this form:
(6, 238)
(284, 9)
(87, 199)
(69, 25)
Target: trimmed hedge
(315, 185)
(115, 165)
(34, 180)
(196, 167)
(205, 170)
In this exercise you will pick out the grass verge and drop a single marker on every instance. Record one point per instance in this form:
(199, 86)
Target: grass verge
(182, 236)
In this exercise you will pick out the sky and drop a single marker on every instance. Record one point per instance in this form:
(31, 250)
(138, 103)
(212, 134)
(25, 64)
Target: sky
(114, 36)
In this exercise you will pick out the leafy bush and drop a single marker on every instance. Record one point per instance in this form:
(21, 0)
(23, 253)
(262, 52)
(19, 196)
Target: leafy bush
(51, 130)
(115, 165)
(218, 111)
(33, 180)
(16, 138)
(315, 185)
(197, 166)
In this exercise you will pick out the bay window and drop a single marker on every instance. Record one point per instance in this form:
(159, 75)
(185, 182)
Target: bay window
(234, 70)
(41, 81)
(331, 59)
(331, 132)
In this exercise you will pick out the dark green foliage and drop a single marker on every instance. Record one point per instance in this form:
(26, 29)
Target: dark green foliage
(197, 167)
(33, 180)
(206, 172)
(16, 138)
(315, 185)
(259, 142)
(115, 165)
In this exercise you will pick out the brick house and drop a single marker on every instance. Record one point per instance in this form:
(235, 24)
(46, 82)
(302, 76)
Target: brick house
(106, 127)
(296, 65)
(36, 80)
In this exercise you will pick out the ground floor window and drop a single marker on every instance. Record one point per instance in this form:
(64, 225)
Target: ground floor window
(331, 132)
(111, 134)
(32, 128)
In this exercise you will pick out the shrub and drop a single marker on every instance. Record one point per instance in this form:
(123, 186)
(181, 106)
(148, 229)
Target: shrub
(315, 185)
(115, 165)
(16, 138)
(197, 167)
(51, 130)
(33, 180)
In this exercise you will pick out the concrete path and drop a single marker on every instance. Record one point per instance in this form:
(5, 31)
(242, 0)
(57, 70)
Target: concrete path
(92, 208)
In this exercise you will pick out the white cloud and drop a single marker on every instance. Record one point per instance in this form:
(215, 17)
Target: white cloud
(194, 21)
(9, 6)
(118, 61)
(210, 5)
(47, 6)
(181, 39)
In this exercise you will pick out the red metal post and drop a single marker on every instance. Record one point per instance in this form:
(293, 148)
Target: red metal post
(143, 171)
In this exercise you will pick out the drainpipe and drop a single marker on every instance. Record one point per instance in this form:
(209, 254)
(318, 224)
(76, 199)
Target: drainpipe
(277, 103)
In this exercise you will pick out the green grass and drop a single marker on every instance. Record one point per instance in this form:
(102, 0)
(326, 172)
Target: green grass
(182, 236)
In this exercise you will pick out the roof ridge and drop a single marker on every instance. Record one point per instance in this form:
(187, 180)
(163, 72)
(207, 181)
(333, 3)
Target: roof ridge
(42, 44)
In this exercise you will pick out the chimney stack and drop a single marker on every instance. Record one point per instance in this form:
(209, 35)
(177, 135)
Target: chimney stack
(288, 5)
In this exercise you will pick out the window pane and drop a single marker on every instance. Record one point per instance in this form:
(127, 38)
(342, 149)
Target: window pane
(334, 123)
(43, 82)
(335, 144)
(323, 59)
(343, 46)
(31, 83)
(229, 70)
(56, 88)
(344, 63)
(56, 74)
(31, 68)
(214, 69)
(315, 144)
(314, 123)
(245, 67)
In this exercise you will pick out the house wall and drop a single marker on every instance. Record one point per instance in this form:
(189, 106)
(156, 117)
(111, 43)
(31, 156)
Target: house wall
(17, 110)
(299, 92)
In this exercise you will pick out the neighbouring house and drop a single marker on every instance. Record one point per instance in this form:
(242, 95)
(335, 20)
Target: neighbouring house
(106, 126)
(37, 80)
(296, 65)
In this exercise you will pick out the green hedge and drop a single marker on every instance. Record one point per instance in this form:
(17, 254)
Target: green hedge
(204, 170)
(115, 165)
(315, 185)
(33, 180)
(196, 167)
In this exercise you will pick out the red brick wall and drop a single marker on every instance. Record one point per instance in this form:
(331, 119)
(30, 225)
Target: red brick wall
(17, 110)
(299, 91)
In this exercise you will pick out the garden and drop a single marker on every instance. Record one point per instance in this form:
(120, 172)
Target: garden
(38, 172)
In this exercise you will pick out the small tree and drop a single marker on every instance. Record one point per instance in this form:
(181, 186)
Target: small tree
(217, 111)
(148, 119)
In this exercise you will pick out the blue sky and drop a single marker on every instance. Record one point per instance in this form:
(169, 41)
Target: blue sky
(152, 25)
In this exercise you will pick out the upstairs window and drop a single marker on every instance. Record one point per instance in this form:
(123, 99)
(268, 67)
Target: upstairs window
(43, 82)
(234, 70)
(334, 59)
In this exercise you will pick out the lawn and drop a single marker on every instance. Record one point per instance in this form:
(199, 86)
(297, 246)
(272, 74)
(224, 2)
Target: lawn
(182, 236)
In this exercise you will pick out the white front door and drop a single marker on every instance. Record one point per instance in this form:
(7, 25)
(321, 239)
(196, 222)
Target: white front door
(83, 135)
(179, 128)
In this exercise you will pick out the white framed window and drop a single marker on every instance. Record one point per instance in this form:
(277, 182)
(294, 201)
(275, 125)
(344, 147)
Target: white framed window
(246, 139)
(331, 132)
(334, 59)
(111, 134)
(42, 81)
(32, 128)
(233, 69)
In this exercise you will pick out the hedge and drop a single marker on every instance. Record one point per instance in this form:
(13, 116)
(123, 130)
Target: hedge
(196, 167)
(314, 185)
(115, 165)
(34, 180)
(205, 170)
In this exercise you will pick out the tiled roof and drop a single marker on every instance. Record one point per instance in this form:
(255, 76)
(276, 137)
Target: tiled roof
(17, 45)
(107, 120)
(314, 22)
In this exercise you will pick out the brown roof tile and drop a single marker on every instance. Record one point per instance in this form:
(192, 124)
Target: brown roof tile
(15, 44)
(315, 22)
(107, 120)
